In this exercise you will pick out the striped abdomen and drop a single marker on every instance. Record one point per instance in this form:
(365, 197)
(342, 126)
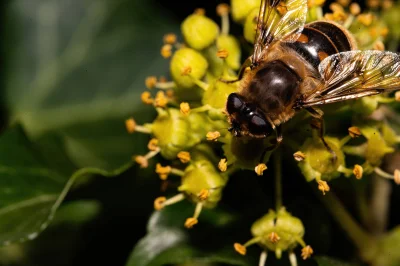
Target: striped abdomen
(321, 39)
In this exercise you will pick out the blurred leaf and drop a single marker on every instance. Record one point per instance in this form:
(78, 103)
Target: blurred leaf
(31, 191)
(168, 242)
(76, 70)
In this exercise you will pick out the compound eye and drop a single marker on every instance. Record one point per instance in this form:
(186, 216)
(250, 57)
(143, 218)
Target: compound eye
(259, 126)
(234, 103)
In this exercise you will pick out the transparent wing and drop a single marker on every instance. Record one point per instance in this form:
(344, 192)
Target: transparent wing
(278, 20)
(355, 74)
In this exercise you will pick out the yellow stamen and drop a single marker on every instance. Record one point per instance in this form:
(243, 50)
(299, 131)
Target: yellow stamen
(161, 100)
(397, 96)
(185, 108)
(200, 11)
(170, 93)
(184, 156)
(323, 186)
(142, 161)
(379, 45)
(146, 97)
(222, 53)
(386, 4)
(130, 125)
(151, 82)
(159, 203)
(384, 31)
(222, 9)
(203, 195)
(335, 7)
(312, 3)
(343, 2)
(396, 176)
(153, 144)
(190, 222)
(186, 71)
(306, 252)
(354, 132)
(163, 172)
(365, 19)
(222, 165)
(240, 248)
(355, 9)
(166, 50)
(273, 237)
(373, 3)
(299, 156)
(358, 171)
(260, 168)
(170, 38)
(213, 135)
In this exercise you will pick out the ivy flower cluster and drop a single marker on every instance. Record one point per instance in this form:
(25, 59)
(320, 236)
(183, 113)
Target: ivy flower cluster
(190, 130)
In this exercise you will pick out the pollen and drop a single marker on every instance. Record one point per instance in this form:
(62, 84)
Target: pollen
(354, 132)
(273, 237)
(170, 93)
(190, 222)
(323, 186)
(142, 161)
(260, 168)
(365, 19)
(223, 53)
(186, 71)
(299, 156)
(240, 248)
(203, 195)
(153, 144)
(146, 97)
(163, 171)
(159, 203)
(151, 82)
(355, 9)
(396, 176)
(170, 38)
(343, 2)
(222, 165)
(306, 252)
(184, 156)
(166, 50)
(130, 125)
(184, 108)
(161, 100)
(213, 136)
(358, 171)
(378, 45)
(222, 9)
(335, 7)
(200, 11)
(397, 96)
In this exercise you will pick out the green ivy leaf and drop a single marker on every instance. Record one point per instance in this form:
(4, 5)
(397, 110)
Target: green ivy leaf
(168, 242)
(31, 191)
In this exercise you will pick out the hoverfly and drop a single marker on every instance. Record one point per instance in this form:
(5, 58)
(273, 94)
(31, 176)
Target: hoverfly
(297, 66)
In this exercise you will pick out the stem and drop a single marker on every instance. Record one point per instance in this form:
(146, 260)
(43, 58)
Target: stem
(278, 179)
(365, 243)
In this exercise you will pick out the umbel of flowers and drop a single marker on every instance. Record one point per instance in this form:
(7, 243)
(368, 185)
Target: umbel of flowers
(191, 123)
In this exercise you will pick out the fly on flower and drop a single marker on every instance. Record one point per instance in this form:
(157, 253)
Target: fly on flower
(297, 66)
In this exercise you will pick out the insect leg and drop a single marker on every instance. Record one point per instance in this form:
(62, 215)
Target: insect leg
(318, 115)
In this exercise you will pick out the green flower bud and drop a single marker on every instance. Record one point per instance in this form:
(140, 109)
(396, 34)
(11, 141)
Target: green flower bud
(376, 149)
(176, 132)
(200, 176)
(187, 60)
(318, 160)
(218, 93)
(241, 8)
(288, 231)
(249, 29)
(230, 44)
(199, 31)
(389, 135)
